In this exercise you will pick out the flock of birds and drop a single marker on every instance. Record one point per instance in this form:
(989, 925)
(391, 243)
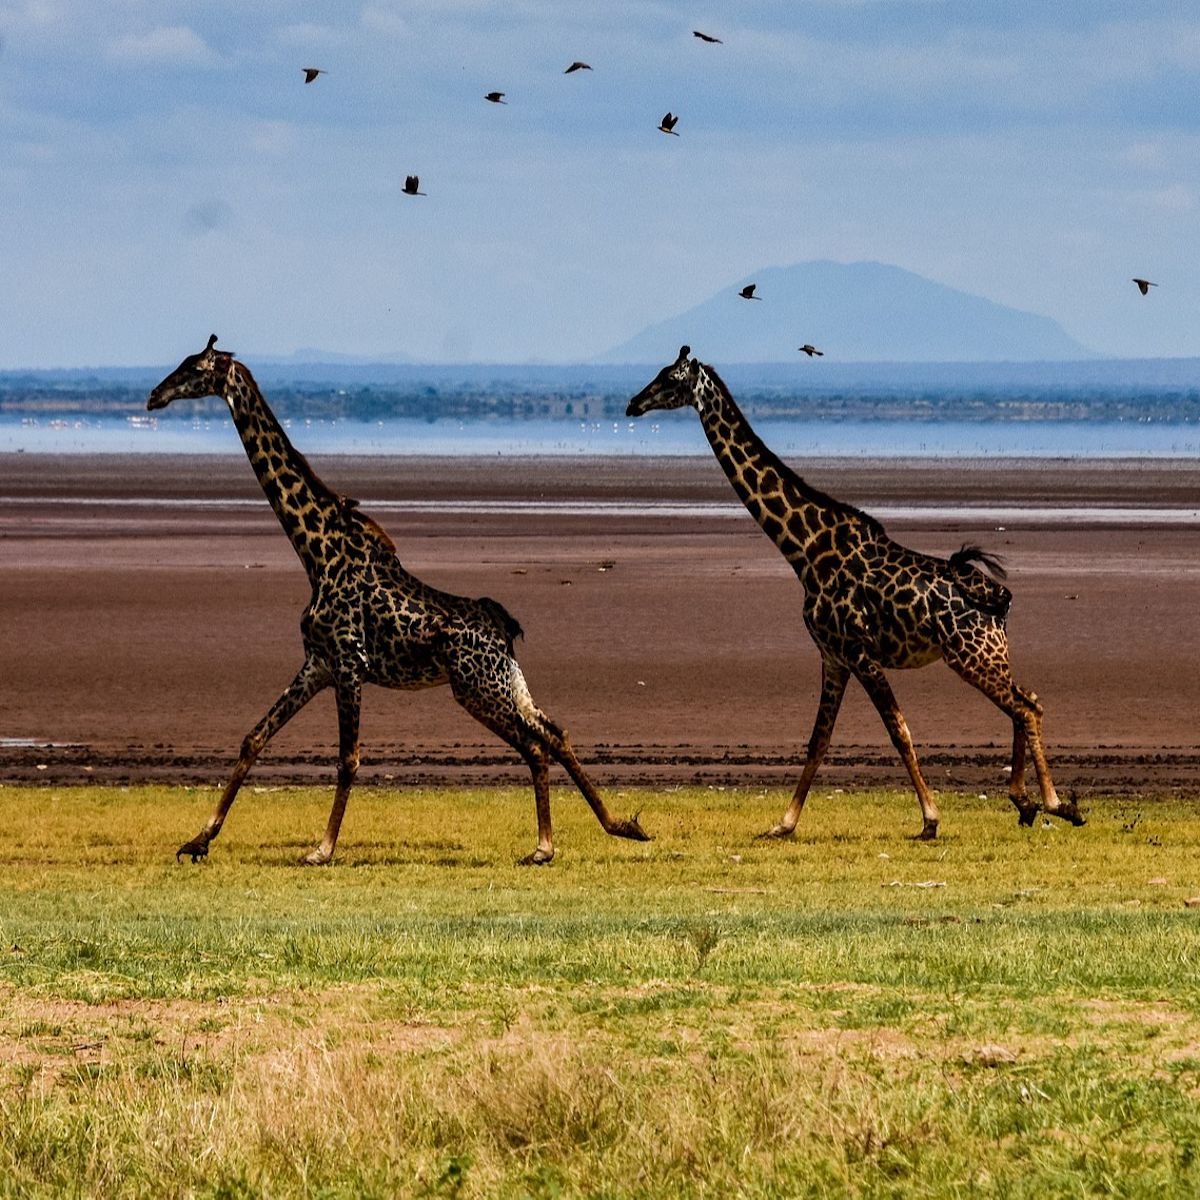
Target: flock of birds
(412, 183)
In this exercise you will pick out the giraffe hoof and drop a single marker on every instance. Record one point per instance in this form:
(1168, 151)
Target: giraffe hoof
(630, 829)
(776, 831)
(195, 850)
(316, 858)
(539, 858)
(928, 832)
(1026, 815)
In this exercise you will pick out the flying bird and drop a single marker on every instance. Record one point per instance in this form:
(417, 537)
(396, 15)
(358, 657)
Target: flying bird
(411, 183)
(496, 97)
(747, 293)
(310, 73)
(707, 37)
(668, 123)
(577, 66)
(810, 350)
(1144, 286)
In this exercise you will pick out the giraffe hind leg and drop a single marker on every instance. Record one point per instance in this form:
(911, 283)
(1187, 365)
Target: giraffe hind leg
(984, 665)
(495, 694)
(1026, 809)
(1031, 713)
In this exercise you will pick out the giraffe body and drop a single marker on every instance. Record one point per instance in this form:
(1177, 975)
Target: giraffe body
(870, 604)
(369, 621)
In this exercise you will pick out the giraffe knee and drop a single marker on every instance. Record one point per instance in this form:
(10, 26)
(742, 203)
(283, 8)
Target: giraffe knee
(252, 745)
(1027, 700)
(348, 768)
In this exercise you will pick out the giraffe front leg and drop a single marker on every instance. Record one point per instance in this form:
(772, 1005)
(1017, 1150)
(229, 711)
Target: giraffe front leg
(349, 705)
(310, 679)
(880, 691)
(834, 678)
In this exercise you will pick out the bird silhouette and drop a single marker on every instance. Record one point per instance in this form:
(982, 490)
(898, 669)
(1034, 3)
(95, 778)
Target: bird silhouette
(496, 97)
(1144, 286)
(707, 37)
(577, 66)
(411, 183)
(310, 73)
(810, 350)
(747, 293)
(668, 123)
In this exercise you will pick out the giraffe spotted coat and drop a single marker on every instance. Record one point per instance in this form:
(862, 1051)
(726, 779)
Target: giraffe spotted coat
(870, 604)
(370, 621)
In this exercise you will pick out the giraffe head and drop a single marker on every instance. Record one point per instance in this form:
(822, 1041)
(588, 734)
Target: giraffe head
(202, 374)
(672, 387)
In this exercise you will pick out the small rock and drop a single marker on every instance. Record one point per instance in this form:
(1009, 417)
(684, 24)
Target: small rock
(1158, 881)
(735, 858)
(1192, 902)
(885, 857)
(41, 767)
(992, 1055)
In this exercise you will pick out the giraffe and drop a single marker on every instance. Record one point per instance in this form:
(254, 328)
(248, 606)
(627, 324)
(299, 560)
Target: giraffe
(870, 604)
(371, 621)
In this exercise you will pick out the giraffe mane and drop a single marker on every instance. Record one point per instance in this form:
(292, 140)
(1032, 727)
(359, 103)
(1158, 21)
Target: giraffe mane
(785, 472)
(355, 516)
(301, 463)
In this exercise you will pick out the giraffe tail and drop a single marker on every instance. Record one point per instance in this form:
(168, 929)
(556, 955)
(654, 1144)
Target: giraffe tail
(982, 591)
(507, 624)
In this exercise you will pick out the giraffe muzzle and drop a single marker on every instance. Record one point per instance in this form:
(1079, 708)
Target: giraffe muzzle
(156, 401)
(639, 404)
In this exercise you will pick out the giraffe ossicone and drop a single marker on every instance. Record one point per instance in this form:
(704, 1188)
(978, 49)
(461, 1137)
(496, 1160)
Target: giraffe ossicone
(369, 621)
(870, 604)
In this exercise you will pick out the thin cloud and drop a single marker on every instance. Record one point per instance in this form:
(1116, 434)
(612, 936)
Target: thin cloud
(384, 21)
(168, 45)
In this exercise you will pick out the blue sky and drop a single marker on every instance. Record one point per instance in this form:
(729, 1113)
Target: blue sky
(164, 171)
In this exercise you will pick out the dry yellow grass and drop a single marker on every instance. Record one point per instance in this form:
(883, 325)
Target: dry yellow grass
(703, 1015)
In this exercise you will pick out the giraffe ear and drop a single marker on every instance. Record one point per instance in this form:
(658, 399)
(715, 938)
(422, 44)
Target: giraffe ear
(684, 351)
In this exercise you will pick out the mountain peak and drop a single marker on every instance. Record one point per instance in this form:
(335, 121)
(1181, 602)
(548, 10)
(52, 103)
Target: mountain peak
(855, 312)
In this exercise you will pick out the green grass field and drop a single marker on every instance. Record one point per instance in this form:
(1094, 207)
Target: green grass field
(701, 1015)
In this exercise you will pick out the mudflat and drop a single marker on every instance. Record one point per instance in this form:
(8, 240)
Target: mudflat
(149, 615)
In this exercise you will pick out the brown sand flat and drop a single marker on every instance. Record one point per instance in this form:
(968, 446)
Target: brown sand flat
(144, 639)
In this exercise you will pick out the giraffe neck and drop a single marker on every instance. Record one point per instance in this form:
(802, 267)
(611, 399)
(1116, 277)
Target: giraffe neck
(310, 514)
(791, 513)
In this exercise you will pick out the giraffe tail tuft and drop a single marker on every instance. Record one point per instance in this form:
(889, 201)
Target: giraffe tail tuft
(508, 625)
(963, 559)
(980, 590)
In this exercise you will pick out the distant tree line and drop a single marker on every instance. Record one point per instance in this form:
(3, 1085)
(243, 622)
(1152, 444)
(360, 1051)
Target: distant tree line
(29, 395)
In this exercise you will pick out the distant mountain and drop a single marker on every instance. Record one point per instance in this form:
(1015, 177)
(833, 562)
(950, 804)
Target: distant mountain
(855, 312)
